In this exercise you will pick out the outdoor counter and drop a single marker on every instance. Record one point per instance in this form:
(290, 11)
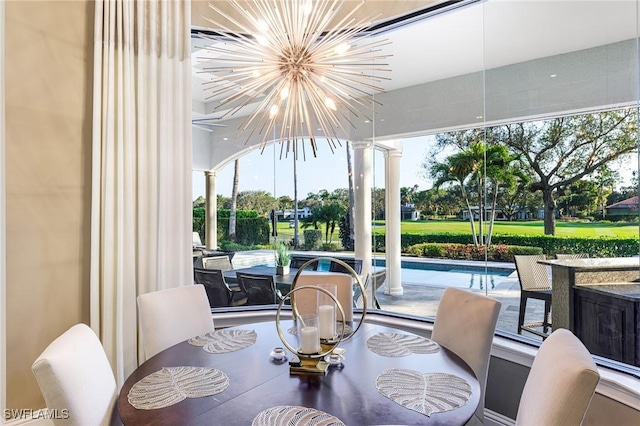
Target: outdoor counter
(599, 301)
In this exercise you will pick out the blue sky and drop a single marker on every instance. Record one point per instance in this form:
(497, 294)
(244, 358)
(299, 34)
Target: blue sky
(326, 171)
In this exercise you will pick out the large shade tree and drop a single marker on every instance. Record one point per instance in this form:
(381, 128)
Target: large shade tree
(564, 150)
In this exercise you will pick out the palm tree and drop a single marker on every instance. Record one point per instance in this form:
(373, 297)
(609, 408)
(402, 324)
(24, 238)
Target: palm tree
(234, 201)
(456, 169)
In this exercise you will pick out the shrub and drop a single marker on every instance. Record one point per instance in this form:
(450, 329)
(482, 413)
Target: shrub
(500, 252)
(312, 239)
(329, 247)
(550, 245)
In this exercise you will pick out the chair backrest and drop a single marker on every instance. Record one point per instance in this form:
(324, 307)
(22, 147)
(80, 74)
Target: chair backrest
(218, 291)
(531, 274)
(356, 264)
(561, 383)
(216, 262)
(73, 373)
(260, 289)
(357, 292)
(306, 299)
(297, 262)
(561, 256)
(465, 324)
(168, 317)
(378, 278)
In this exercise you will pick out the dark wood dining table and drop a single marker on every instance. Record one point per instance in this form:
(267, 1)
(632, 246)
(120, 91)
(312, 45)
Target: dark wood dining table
(257, 382)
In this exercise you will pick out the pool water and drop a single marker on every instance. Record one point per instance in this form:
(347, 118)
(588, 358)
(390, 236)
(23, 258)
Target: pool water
(446, 275)
(477, 280)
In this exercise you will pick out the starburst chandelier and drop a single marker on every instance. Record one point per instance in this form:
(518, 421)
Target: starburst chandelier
(306, 65)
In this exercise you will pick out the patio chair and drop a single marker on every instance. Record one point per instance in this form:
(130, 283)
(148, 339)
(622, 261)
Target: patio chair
(535, 283)
(465, 324)
(561, 383)
(259, 289)
(297, 262)
(221, 263)
(377, 279)
(356, 264)
(218, 291)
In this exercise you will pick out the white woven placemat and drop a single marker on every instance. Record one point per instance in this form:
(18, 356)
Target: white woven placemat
(395, 344)
(289, 415)
(425, 393)
(173, 384)
(223, 341)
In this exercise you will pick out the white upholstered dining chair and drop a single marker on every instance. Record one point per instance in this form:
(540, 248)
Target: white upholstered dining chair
(305, 299)
(465, 324)
(561, 383)
(168, 317)
(74, 374)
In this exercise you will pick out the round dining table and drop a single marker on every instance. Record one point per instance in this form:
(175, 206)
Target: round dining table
(258, 382)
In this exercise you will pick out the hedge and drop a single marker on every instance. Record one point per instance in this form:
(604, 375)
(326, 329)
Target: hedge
(249, 230)
(550, 245)
(499, 252)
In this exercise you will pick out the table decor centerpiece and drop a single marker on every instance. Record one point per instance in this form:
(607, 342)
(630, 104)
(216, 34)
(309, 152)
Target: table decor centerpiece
(309, 356)
(283, 259)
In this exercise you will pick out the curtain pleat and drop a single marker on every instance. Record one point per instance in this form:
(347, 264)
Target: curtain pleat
(141, 176)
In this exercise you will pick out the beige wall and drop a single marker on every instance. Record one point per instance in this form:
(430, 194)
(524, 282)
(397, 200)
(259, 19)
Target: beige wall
(48, 77)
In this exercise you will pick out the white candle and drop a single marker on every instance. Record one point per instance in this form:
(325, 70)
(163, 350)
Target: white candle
(327, 321)
(309, 340)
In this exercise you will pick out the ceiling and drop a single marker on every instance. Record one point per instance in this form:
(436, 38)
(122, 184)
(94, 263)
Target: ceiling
(475, 36)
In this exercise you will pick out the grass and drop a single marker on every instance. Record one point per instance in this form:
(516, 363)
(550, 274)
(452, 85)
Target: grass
(563, 229)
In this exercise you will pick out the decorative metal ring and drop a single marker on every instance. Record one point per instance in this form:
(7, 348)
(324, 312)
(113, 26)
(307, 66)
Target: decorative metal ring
(296, 315)
(351, 271)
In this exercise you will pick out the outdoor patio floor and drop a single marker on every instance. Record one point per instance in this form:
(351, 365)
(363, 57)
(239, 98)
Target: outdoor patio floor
(422, 300)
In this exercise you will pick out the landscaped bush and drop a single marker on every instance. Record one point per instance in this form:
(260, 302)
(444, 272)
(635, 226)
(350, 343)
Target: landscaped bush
(312, 239)
(251, 229)
(550, 245)
(329, 247)
(499, 252)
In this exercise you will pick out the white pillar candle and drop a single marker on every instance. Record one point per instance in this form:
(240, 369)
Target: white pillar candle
(327, 321)
(309, 340)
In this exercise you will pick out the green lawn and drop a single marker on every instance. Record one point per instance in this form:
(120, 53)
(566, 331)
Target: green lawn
(563, 229)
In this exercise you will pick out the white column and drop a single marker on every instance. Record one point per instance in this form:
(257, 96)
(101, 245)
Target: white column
(393, 284)
(211, 210)
(363, 176)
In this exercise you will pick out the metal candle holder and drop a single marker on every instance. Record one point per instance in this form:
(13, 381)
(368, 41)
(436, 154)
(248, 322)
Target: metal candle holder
(351, 271)
(309, 363)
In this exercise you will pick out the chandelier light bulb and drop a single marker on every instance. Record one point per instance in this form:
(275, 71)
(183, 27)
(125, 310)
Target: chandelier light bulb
(307, 56)
(273, 111)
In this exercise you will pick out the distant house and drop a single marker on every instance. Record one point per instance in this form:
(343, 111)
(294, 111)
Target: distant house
(409, 212)
(519, 215)
(624, 207)
(289, 214)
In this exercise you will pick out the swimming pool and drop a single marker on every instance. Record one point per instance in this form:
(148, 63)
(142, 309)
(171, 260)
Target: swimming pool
(463, 275)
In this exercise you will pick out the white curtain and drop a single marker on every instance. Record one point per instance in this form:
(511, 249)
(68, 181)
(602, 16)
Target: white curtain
(141, 165)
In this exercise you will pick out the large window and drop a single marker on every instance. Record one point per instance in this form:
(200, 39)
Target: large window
(538, 100)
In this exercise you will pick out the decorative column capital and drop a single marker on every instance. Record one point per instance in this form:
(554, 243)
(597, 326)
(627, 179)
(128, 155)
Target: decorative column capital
(393, 153)
(211, 173)
(361, 144)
